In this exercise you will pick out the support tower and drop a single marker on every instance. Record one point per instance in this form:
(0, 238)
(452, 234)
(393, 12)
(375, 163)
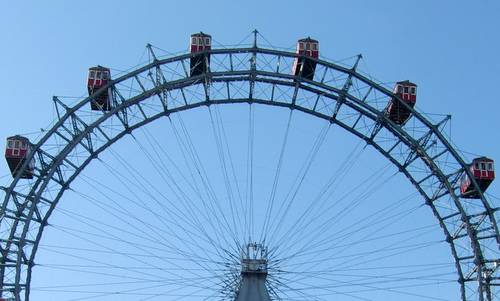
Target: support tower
(253, 274)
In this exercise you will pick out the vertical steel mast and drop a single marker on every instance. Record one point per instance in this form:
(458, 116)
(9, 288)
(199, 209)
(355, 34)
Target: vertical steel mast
(253, 274)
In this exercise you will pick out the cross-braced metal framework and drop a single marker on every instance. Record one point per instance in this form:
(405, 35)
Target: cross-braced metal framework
(255, 75)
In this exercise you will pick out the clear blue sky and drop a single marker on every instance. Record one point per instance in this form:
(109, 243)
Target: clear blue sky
(449, 48)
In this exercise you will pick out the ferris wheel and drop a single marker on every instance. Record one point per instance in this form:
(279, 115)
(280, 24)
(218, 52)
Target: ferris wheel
(246, 173)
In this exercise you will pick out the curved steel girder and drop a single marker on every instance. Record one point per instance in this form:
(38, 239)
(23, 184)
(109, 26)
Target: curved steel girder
(325, 117)
(257, 101)
(254, 76)
(220, 102)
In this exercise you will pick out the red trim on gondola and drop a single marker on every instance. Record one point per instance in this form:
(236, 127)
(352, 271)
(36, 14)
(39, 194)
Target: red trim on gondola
(483, 171)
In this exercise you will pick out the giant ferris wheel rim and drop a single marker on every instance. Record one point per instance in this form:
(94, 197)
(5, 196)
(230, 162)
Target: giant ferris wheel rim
(249, 76)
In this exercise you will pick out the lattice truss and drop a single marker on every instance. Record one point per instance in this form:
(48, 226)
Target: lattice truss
(254, 75)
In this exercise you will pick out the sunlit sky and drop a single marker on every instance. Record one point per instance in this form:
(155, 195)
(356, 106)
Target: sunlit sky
(448, 48)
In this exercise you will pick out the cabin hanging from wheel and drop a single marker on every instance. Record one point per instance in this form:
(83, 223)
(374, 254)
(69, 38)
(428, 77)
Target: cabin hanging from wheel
(99, 77)
(407, 92)
(17, 151)
(304, 66)
(200, 63)
(483, 171)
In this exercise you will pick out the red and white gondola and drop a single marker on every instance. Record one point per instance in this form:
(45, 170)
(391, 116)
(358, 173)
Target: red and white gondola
(99, 77)
(483, 171)
(200, 63)
(407, 92)
(305, 66)
(17, 150)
